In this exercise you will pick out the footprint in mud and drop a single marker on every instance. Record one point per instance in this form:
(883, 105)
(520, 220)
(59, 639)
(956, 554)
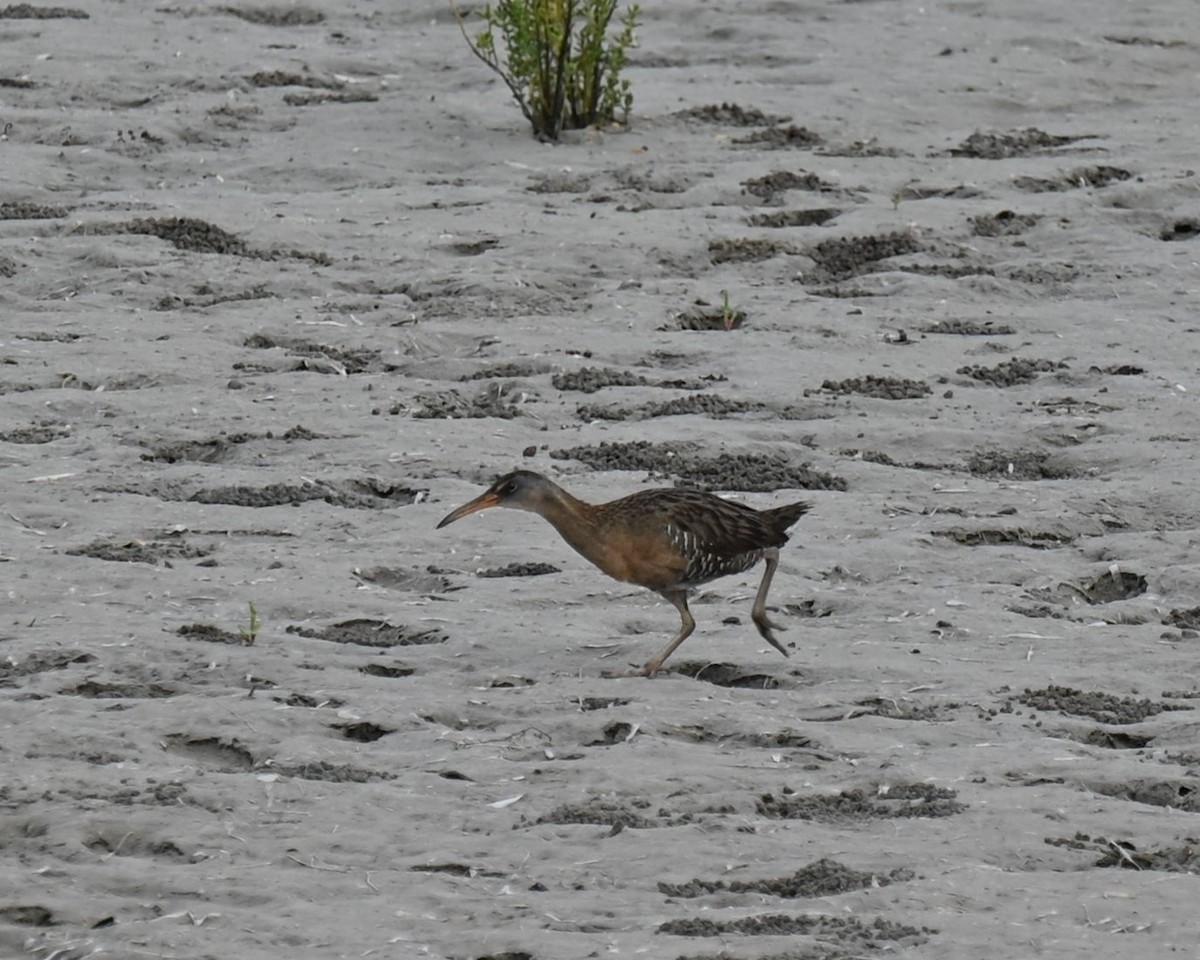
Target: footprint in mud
(40, 661)
(729, 675)
(362, 731)
(121, 842)
(1175, 794)
(211, 753)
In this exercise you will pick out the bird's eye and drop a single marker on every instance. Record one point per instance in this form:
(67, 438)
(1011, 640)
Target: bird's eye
(509, 488)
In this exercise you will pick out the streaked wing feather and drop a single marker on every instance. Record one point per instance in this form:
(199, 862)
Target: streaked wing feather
(717, 526)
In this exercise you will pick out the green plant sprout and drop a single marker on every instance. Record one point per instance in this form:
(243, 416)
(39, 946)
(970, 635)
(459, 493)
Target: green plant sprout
(249, 633)
(557, 60)
(729, 313)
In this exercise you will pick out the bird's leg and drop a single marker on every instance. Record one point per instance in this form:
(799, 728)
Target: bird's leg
(759, 612)
(686, 626)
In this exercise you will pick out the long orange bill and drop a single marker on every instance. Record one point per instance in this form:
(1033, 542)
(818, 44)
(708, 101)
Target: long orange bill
(481, 502)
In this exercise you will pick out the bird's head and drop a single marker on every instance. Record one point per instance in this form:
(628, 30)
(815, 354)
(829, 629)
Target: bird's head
(519, 490)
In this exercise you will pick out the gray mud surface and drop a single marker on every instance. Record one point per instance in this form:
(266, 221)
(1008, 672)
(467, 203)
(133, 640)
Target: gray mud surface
(280, 285)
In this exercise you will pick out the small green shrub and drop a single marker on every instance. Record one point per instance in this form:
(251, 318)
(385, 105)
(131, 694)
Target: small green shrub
(249, 633)
(558, 60)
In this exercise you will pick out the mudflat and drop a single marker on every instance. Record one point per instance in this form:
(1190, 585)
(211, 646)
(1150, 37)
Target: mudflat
(280, 286)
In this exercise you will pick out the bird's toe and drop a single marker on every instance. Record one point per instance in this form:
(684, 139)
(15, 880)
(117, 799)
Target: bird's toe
(766, 625)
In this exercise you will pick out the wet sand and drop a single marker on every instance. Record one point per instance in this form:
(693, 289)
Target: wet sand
(281, 286)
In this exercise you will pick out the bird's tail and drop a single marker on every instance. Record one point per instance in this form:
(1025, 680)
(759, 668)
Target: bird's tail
(781, 518)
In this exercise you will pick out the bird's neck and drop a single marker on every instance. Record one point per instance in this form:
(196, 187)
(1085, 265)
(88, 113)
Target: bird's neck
(574, 519)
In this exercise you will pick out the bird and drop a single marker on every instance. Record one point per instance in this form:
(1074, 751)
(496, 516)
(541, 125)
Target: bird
(668, 540)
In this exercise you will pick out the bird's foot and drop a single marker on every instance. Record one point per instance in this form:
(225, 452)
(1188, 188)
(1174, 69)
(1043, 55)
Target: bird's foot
(765, 627)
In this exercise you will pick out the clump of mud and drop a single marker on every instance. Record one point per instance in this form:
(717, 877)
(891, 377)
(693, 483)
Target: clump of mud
(591, 379)
(283, 16)
(24, 210)
(970, 328)
(610, 813)
(1003, 224)
(27, 11)
(451, 405)
(899, 800)
(848, 932)
(1098, 176)
(1186, 619)
(990, 537)
(821, 878)
(1017, 465)
(41, 433)
(751, 472)
(139, 551)
(289, 78)
(793, 218)
(730, 115)
(513, 370)
(323, 770)
(372, 633)
(780, 138)
(319, 357)
(842, 258)
(704, 404)
(779, 181)
(746, 250)
(1016, 143)
(211, 633)
(882, 388)
(1103, 707)
(196, 236)
(520, 570)
(1011, 372)
(699, 319)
